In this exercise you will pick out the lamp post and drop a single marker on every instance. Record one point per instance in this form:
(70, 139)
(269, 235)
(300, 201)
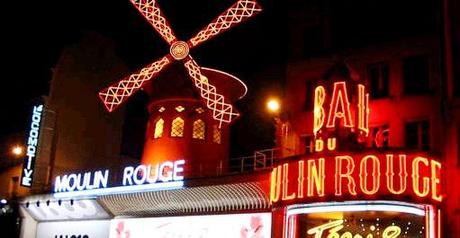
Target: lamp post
(17, 150)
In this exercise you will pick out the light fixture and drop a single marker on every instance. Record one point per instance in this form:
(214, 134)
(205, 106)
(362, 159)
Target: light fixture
(17, 150)
(273, 105)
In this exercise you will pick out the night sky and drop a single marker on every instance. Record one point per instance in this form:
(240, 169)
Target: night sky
(35, 32)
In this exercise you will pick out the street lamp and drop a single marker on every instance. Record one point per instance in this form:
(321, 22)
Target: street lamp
(273, 105)
(17, 150)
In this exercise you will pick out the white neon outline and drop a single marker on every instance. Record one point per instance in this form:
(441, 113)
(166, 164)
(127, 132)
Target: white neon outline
(356, 206)
(122, 189)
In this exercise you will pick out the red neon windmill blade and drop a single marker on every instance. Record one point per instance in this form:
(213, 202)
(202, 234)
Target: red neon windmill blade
(114, 95)
(235, 14)
(117, 93)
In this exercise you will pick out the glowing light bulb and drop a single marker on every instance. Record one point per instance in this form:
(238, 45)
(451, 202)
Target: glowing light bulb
(273, 105)
(17, 150)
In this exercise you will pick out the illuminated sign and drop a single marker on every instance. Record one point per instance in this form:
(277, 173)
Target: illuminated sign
(166, 175)
(32, 143)
(374, 219)
(357, 176)
(337, 110)
(251, 225)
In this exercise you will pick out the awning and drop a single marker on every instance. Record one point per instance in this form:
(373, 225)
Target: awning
(192, 200)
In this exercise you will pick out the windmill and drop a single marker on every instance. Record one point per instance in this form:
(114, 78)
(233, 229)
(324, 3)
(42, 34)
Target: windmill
(222, 111)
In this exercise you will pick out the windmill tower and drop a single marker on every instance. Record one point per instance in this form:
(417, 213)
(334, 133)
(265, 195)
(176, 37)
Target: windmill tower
(184, 123)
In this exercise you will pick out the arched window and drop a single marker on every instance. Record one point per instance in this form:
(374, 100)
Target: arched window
(177, 127)
(199, 129)
(159, 126)
(216, 135)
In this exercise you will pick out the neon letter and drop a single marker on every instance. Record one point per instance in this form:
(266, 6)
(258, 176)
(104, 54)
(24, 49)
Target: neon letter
(363, 109)
(315, 177)
(331, 143)
(318, 110)
(339, 96)
(300, 179)
(416, 176)
(347, 175)
(165, 172)
(178, 168)
(435, 180)
(275, 184)
(375, 174)
(286, 184)
(128, 175)
(391, 174)
(319, 145)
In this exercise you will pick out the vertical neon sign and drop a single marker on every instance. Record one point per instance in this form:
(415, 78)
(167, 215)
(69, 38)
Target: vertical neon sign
(32, 144)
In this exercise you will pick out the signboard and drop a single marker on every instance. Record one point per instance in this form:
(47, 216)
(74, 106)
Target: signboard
(166, 175)
(351, 177)
(74, 229)
(360, 219)
(32, 144)
(255, 225)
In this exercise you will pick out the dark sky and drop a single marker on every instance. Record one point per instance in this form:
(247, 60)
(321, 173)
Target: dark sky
(33, 34)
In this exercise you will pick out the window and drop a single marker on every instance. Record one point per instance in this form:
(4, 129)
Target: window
(416, 75)
(177, 127)
(180, 108)
(308, 95)
(378, 76)
(199, 129)
(380, 137)
(216, 135)
(159, 126)
(418, 135)
(313, 41)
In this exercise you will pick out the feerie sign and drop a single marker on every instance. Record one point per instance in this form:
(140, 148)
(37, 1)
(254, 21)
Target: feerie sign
(143, 177)
(357, 176)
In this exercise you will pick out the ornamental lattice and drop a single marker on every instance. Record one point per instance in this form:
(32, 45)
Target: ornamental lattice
(222, 111)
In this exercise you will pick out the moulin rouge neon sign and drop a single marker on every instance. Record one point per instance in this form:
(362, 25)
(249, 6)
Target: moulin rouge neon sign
(356, 176)
(167, 175)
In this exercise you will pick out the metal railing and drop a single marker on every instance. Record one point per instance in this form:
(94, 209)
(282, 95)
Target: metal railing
(261, 159)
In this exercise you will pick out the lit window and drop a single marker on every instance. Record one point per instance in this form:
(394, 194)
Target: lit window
(216, 135)
(159, 125)
(199, 110)
(199, 129)
(378, 76)
(161, 109)
(177, 127)
(180, 108)
(418, 135)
